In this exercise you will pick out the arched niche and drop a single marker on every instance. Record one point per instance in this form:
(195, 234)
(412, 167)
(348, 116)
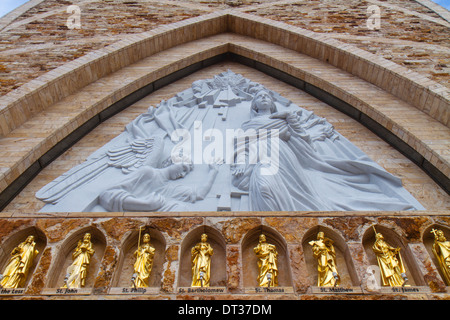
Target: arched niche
(250, 261)
(344, 262)
(64, 257)
(17, 238)
(218, 259)
(428, 241)
(125, 266)
(415, 277)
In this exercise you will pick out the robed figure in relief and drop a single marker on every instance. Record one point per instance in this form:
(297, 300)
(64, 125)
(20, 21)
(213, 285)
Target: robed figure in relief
(311, 160)
(441, 250)
(267, 263)
(306, 159)
(201, 263)
(392, 268)
(18, 267)
(144, 263)
(324, 252)
(77, 272)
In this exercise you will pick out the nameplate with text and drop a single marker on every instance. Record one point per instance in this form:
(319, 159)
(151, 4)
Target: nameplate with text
(11, 291)
(406, 289)
(127, 290)
(270, 290)
(67, 291)
(336, 290)
(201, 290)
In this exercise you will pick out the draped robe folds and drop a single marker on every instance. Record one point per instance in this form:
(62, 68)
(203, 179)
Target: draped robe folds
(319, 171)
(326, 258)
(201, 262)
(441, 250)
(78, 269)
(150, 184)
(143, 265)
(390, 263)
(16, 271)
(267, 263)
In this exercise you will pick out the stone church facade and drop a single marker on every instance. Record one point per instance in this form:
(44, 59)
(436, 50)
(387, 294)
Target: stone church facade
(72, 78)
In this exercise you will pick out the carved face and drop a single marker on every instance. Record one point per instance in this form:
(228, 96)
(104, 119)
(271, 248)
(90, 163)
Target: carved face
(87, 237)
(263, 103)
(146, 238)
(204, 237)
(178, 171)
(441, 236)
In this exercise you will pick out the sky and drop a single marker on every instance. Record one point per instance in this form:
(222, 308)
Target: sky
(444, 3)
(9, 5)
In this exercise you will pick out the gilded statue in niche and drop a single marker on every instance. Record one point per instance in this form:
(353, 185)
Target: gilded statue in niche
(324, 252)
(144, 263)
(201, 263)
(77, 272)
(441, 250)
(267, 263)
(18, 267)
(392, 268)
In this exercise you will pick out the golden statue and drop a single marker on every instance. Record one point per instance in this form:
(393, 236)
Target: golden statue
(201, 263)
(323, 251)
(267, 263)
(392, 269)
(441, 250)
(144, 263)
(16, 271)
(77, 272)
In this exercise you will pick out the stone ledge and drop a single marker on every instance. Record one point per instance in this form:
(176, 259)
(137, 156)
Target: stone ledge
(206, 214)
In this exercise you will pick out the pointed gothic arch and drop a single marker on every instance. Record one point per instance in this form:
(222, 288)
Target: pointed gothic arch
(205, 40)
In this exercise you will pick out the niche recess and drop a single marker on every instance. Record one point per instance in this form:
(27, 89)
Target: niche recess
(64, 257)
(415, 278)
(250, 261)
(344, 261)
(218, 260)
(17, 238)
(428, 241)
(125, 267)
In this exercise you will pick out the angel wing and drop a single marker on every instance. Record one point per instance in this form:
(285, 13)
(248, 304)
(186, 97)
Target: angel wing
(128, 158)
(134, 155)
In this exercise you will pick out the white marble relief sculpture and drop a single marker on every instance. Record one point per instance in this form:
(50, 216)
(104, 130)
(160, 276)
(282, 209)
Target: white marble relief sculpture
(227, 143)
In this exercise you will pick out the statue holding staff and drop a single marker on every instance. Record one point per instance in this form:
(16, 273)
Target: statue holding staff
(144, 262)
(392, 269)
(441, 250)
